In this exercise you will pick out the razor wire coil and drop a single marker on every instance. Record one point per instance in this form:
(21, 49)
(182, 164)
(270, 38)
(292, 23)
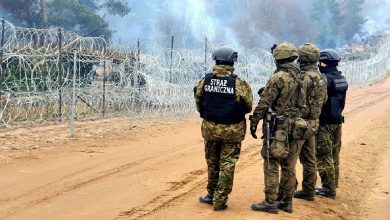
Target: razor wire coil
(37, 69)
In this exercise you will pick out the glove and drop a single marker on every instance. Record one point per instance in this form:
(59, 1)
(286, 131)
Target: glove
(273, 48)
(253, 126)
(253, 131)
(260, 90)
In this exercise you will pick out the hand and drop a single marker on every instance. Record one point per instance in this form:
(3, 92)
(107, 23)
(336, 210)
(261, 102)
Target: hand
(253, 131)
(260, 90)
(253, 126)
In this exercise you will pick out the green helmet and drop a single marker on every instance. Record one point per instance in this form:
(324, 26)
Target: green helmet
(309, 53)
(284, 51)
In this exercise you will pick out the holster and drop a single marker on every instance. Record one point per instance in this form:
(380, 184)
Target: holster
(279, 147)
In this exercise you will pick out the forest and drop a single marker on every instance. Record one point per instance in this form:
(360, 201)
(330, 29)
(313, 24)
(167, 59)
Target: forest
(244, 23)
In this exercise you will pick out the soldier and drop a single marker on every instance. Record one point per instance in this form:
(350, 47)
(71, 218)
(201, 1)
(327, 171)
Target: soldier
(284, 96)
(331, 119)
(222, 99)
(316, 94)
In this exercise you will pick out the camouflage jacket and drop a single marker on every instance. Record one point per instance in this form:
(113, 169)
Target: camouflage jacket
(277, 91)
(225, 132)
(316, 92)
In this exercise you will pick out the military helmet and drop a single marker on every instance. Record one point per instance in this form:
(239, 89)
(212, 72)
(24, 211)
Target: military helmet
(309, 53)
(226, 54)
(284, 51)
(330, 55)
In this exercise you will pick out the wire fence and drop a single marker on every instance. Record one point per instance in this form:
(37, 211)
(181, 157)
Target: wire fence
(49, 75)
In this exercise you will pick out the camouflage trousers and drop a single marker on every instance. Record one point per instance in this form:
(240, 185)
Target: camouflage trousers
(307, 157)
(221, 160)
(285, 188)
(328, 151)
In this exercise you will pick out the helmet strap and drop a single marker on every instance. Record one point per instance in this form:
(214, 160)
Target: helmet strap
(220, 62)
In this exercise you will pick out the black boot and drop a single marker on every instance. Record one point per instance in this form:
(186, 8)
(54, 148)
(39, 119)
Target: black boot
(279, 196)
(206, 199)
(220, 207)
(303, 195)
(324, 193)
(285, 205)
(266, 206)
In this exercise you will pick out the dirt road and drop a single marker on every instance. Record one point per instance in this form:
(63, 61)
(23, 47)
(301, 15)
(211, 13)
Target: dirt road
(156, 170)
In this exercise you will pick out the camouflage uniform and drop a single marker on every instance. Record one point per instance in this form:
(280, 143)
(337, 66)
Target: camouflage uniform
(328, 150)
(316, 94)
(275, 93)
(223, 141)
(284, 94)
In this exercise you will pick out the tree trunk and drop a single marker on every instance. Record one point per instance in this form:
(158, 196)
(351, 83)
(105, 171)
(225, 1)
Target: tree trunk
(44, 14)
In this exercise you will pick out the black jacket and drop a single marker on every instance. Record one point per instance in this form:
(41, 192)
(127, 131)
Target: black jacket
(337, 88)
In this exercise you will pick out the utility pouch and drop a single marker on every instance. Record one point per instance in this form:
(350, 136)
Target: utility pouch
(279, 146)
(301, 129)
(312, 129)
(281, 123)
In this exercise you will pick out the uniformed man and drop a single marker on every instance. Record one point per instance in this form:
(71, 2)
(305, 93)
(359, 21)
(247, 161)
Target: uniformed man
(331, 119)
(283, 95)
(222, 99)
(316, 94)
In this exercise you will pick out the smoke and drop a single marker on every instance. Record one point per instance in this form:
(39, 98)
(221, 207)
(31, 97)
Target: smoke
(377, 14)
(3, 13)
(241, 23)
(190, 21)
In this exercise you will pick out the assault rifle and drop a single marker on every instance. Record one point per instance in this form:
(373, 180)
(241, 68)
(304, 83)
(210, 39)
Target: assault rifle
(268, 126)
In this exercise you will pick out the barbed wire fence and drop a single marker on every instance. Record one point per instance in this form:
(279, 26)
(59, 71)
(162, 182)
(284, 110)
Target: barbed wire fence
(51, 74)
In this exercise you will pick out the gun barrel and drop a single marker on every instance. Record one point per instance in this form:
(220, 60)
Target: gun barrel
(268, 144)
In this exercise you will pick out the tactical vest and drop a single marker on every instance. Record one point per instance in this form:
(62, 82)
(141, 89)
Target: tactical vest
(294, 98)
(218, 102)
(332, 109)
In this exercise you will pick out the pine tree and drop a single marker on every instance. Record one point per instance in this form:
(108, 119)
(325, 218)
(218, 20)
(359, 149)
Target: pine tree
(23, 12)
(81, 16)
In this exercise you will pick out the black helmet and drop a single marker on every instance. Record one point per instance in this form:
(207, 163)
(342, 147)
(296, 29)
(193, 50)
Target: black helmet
(330, 55)
(225, 54)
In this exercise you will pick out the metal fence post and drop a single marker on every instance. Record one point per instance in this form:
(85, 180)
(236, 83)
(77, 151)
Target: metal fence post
(170, 65)
(205, 55)
(104, 87)
(59, 74)
(1, 66)
(72, 118)
(134, 82)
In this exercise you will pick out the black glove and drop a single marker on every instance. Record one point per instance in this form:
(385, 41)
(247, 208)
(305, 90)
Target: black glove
(253, 131)
(260, 90)
(273, 48)
(253, 126)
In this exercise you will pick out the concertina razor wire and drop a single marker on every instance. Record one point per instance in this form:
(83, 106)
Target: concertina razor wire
(137, 81)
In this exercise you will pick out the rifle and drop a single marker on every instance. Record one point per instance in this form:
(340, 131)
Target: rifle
(268, 124)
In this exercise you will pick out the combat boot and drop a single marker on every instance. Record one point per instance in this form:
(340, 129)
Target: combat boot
(326, 194)
(206, 199)
(285, 205)
(279, 196)
(303, 195)
(220, 207)
(266, 206)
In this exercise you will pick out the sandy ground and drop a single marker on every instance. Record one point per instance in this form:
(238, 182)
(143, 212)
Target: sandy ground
(156, 169)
